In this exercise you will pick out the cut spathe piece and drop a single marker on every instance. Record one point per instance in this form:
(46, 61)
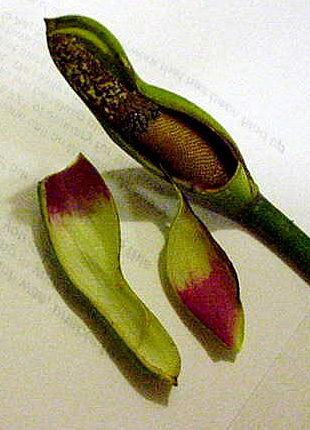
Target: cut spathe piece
(203, 277)
(83, 226)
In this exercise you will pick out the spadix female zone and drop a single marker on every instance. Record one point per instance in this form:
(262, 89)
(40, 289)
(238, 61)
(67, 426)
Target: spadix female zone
(83, 226)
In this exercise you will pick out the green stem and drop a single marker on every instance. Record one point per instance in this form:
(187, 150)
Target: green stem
(278, 232)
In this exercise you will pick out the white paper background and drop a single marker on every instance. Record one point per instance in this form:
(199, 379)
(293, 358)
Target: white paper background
(246, 63)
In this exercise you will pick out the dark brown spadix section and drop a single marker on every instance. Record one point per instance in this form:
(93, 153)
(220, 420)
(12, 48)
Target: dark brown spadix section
(186, 149)
(75, 189)
(128, 111)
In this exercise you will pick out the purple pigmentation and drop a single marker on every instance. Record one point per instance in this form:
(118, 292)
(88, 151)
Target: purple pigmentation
(75, 189)
(214, 302)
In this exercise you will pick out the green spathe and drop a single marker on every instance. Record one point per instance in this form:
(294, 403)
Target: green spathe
(240, 188)
(237, 198)
(87, 245)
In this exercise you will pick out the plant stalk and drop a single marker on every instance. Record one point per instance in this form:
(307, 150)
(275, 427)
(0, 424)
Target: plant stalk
(278, 232)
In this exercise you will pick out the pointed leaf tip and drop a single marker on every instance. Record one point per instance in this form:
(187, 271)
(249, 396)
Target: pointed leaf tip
(50, 24)
(216, 307)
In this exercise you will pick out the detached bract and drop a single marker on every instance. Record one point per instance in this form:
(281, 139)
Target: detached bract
(83, 226)
(203, 277)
